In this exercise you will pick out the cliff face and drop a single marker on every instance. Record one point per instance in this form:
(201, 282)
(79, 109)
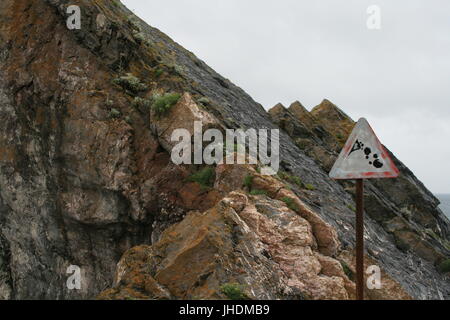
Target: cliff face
(85, 175)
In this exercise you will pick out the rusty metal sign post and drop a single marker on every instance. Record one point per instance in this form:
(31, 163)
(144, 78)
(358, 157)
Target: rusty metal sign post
(363, 157)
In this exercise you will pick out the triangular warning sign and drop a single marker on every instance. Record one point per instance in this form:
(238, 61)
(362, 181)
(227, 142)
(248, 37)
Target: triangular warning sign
(363, 156)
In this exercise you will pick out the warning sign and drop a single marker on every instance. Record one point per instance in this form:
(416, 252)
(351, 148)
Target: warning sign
(363, 156)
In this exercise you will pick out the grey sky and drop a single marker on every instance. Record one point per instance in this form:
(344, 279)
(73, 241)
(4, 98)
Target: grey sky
(286, 50)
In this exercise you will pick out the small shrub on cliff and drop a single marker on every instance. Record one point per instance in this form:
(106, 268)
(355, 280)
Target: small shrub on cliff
(303, 144)
(162, 104)
(339, 136)
(248, 182)
(138, 36)
(204, 177)
(140, 103)
(133, 23)
(109, 103)
(292, 179)
(159, 72)
(401, 244)
(290, 203)
(114, 113)
(131, 83)
(444, 267)
(310, 187)
(258, 192)
(297, 181)
(234, 291)
(283, 175)
(204, 101)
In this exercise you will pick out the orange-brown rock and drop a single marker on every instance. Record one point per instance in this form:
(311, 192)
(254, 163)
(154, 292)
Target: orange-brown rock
(182, 115)
(255, 241)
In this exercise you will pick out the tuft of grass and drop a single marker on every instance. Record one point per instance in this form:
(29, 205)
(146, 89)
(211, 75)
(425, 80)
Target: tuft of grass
(130, 83)
(310, 187)
(204, 101)
(234, 291)
(444, 266)
(138, 36)
(205, 177)
(248, 182)
(290, 203)
(141, 39)
(297, 181)
(302, 144)
(284, 175)
(162, 104)
(133, 23)
(401, 244)
(159, 72)
(109, 103)
(351, 207)
(258, 192)
(114, 113)
(292, 179)
(140, 103)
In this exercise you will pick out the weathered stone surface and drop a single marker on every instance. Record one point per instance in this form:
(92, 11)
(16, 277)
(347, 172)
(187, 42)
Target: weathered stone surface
(390, 289)
(83, 178)
(256, 242)
(72, 178)
(183, 115)
(5, 272)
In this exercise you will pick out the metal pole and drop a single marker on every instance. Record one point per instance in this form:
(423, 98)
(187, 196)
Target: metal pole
(360, 239)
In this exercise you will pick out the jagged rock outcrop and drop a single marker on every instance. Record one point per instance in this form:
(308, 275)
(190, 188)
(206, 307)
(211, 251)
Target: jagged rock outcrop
(86, 175)
(404, 207)
(274, 249)
(256, 242)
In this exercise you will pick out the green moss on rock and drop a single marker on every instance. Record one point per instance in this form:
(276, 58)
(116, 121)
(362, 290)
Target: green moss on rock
(162, 104)
(204, 177)
(130, 83)
(444, 266)
(234, 291)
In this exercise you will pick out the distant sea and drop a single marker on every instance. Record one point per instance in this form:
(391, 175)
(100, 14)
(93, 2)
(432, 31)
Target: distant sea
(445, 203)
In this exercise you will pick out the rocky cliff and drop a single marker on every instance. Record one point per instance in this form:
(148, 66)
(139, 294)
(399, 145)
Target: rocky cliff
(86, 178)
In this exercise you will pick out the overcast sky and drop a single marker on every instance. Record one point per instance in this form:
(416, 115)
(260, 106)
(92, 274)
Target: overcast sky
(397, 77)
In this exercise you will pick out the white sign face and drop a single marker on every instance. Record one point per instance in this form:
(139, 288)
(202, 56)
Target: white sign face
(363, 156)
